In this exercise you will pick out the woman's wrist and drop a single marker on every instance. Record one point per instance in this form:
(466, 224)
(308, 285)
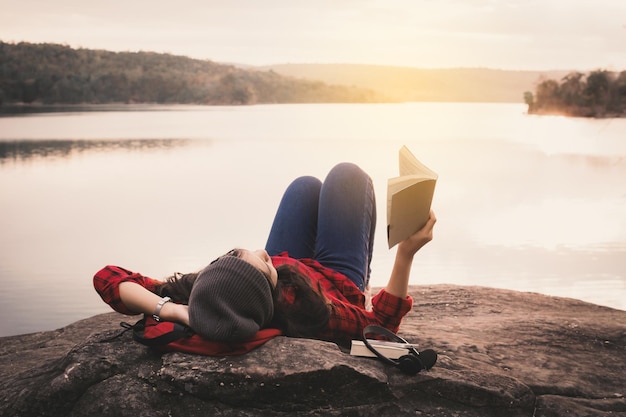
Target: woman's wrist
(175, 312)
(157, 310)
(405, 256)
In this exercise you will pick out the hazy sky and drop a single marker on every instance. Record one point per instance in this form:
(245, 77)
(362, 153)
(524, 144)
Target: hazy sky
(508, 34)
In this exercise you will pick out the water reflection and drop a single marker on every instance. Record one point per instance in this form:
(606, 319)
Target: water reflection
(25, 110)
(24, 150)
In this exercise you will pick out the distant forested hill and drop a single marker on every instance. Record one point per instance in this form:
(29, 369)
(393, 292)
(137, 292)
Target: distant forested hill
(58, 74)
(420, 84)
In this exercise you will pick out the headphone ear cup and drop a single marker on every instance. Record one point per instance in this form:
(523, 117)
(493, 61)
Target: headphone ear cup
(409, 364)
(428, 358)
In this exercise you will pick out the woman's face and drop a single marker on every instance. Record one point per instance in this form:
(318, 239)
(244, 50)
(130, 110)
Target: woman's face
(261, 261)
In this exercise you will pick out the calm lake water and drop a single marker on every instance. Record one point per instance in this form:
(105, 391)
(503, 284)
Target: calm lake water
(531, 203)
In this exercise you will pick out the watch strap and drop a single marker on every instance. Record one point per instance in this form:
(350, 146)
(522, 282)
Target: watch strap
(159, 306)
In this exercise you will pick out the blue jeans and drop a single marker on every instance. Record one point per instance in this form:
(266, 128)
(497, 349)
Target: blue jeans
(332, 222)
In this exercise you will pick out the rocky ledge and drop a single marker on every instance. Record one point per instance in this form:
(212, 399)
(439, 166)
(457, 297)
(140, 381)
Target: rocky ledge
(501, 353)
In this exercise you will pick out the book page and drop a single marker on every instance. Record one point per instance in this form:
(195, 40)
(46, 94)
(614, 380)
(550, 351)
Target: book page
(409, 165)
(358, 348)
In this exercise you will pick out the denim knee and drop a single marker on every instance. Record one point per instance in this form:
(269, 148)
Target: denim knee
(307, 184)
(347, 169)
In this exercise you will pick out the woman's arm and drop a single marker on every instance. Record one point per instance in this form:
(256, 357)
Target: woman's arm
(140, 300)
(399, 280)
(137, 296)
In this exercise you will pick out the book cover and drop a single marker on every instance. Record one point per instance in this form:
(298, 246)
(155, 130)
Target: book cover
(409, 198)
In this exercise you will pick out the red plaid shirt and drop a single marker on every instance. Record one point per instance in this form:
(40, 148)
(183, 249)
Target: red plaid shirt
(348, 315)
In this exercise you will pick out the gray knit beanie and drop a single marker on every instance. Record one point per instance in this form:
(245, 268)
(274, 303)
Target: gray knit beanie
(230, 301)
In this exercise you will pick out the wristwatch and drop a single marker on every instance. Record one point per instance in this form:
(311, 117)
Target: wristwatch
(159, 306)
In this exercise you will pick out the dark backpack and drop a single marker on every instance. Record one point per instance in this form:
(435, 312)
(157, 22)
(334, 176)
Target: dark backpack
(167, 336)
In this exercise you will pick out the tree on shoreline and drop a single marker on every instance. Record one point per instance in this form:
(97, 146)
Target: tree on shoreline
(599, 94)
(57, 74)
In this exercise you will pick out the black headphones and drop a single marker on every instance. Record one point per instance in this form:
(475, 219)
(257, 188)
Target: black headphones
(411, 363)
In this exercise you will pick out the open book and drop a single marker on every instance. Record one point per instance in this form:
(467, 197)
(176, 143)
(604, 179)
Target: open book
(409, 198)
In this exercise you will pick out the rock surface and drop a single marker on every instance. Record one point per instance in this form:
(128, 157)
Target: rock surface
(501, 353)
